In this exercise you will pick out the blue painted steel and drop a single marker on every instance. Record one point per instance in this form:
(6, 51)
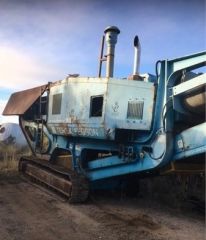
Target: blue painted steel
(109, 161)
(149, 141)
(185, 88)
(190, 142)
(189, 62)
(146, 164)
(168, 71)
(194, 83)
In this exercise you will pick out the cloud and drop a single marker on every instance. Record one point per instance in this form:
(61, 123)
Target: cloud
(66, 33)
(43, 41)
(19, 70)
(3, 119)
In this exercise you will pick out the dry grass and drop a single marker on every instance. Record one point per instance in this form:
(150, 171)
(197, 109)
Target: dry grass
(9, 156)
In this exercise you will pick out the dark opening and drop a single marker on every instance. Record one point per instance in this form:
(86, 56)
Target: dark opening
(2, 130)
(96, 106)
(44, 105)
(37, 109)
(39, 139)
(31, 132)
(56, 104)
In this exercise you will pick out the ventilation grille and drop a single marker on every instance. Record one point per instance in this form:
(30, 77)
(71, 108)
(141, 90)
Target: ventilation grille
(135, 110)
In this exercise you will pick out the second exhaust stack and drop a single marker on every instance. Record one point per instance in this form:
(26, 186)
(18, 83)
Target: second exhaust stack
(111, 33)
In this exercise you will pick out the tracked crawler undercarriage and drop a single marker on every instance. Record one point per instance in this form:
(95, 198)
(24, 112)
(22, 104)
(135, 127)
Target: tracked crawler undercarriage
(67, 182)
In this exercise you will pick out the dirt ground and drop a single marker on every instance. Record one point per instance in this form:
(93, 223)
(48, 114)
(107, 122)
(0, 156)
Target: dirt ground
(28, 212)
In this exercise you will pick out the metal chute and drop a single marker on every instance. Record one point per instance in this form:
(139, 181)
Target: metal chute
(19, 102)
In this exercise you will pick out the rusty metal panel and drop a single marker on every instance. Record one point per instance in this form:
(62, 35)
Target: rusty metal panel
(19, 102)
(56, 182)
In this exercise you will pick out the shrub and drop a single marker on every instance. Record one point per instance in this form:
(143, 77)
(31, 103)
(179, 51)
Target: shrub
(9, 156)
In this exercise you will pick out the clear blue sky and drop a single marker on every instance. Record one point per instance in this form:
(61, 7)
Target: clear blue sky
(44, 40)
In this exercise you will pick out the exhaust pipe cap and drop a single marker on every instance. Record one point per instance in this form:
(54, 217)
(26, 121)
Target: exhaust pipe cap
(112, 29)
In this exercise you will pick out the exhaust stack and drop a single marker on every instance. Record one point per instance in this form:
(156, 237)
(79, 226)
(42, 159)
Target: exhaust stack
(111, 33)
(137, 52)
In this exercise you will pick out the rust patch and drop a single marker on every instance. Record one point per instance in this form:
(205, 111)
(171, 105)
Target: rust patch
(19, 102)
